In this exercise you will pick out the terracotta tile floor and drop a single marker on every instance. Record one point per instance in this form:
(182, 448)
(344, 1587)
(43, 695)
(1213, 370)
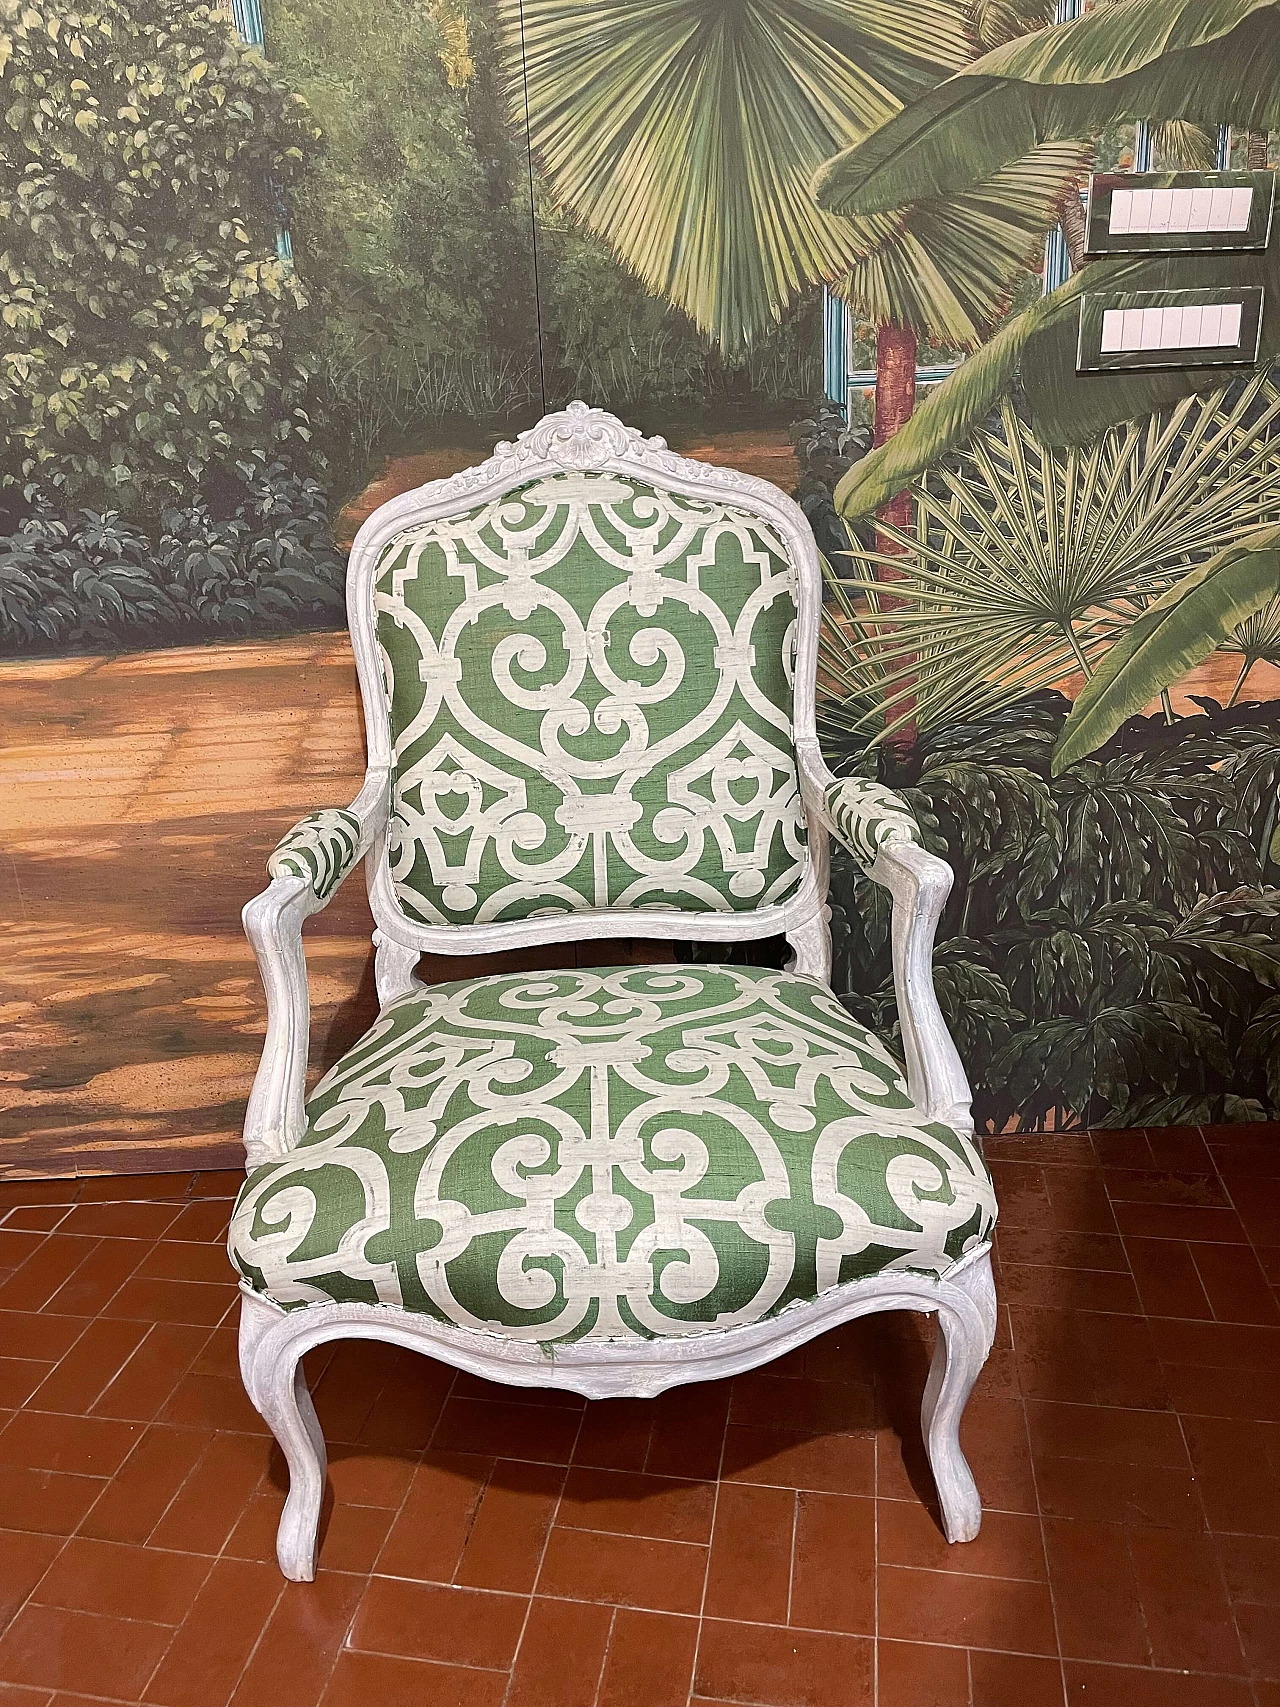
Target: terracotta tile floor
(769, 1542)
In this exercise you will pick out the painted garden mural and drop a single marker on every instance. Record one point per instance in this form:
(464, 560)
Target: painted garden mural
(262, 267)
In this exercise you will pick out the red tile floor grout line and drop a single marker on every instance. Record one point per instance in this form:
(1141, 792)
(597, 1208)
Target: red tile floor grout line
(1126, 1437)
(715, 1504)
(1044, 1549)
(542, 1559)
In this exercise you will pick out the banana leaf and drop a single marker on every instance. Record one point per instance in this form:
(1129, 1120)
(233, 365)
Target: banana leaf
(1172, 636)
(1205, 61)
(956, 408)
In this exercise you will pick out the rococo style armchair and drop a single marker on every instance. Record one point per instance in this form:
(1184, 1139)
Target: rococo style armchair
(588, 671)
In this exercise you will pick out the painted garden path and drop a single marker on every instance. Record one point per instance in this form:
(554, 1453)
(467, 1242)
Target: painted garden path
(142, 797)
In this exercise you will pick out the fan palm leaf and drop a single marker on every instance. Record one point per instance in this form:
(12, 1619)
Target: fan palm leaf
(1026, 564)
(1206, 61)
(1180, 146)
(686, 134)
(1256, 641)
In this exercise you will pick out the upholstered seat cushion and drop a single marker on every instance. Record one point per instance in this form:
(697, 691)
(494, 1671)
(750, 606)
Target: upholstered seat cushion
(609, 1154)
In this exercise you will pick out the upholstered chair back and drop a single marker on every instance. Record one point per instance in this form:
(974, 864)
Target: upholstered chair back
(589, 682)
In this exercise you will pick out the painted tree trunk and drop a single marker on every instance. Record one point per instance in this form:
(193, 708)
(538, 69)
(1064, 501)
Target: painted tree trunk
(895, 401)
(1073, 227)
(1256, 154)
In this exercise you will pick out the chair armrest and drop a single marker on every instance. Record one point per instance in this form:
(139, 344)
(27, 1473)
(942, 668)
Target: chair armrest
(306, 868)
(322, 848)
(881, 832)
(861, 814)
(867, 816)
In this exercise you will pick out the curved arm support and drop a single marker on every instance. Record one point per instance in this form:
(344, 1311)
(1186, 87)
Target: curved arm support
(920, 883)
(274, 1119)
(878, 829)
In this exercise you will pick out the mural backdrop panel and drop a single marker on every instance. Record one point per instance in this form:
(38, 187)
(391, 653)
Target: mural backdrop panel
(262, 269)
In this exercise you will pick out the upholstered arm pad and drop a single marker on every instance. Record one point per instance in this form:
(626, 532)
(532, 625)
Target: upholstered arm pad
(866, 816)
(321, 847)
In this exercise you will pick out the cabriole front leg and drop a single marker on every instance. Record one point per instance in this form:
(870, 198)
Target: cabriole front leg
(277, 1386)
(966, 1328)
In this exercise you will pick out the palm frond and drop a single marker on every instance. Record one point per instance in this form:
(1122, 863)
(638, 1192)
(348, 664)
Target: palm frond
(1181, 146)
(686, 133)
(1258, 638)
(1026, 564)
(994, 22)
(944, 267)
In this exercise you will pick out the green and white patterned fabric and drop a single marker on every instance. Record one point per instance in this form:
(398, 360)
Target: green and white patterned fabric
(865, 815)
(613, 1154)
(590, 689)
(321, 848)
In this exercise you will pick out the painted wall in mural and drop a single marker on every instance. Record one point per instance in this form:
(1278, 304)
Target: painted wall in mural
(262, 269)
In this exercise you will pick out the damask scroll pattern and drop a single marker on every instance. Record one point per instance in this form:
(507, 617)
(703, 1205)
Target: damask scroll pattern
(610, 1155)
(321, 848)
(590, 686)
(865, 815)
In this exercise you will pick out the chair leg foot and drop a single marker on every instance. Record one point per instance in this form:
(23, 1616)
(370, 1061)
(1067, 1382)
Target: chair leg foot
(965, 1331)
(297, 1428)
(279, 1392)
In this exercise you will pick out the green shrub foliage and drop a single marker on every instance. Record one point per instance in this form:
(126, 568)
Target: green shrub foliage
(150, 329)
(1110, 953)
(413, 232)
(262, 563)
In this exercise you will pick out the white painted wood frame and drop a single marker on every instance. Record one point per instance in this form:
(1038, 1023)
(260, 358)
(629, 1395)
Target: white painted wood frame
(273, 1341)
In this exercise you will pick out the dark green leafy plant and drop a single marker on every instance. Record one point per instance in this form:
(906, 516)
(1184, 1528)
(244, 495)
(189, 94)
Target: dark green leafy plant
(826, 448)
(1110, 951)
(103, 575)
(150, 330)
(93, 581)
(269, 566)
